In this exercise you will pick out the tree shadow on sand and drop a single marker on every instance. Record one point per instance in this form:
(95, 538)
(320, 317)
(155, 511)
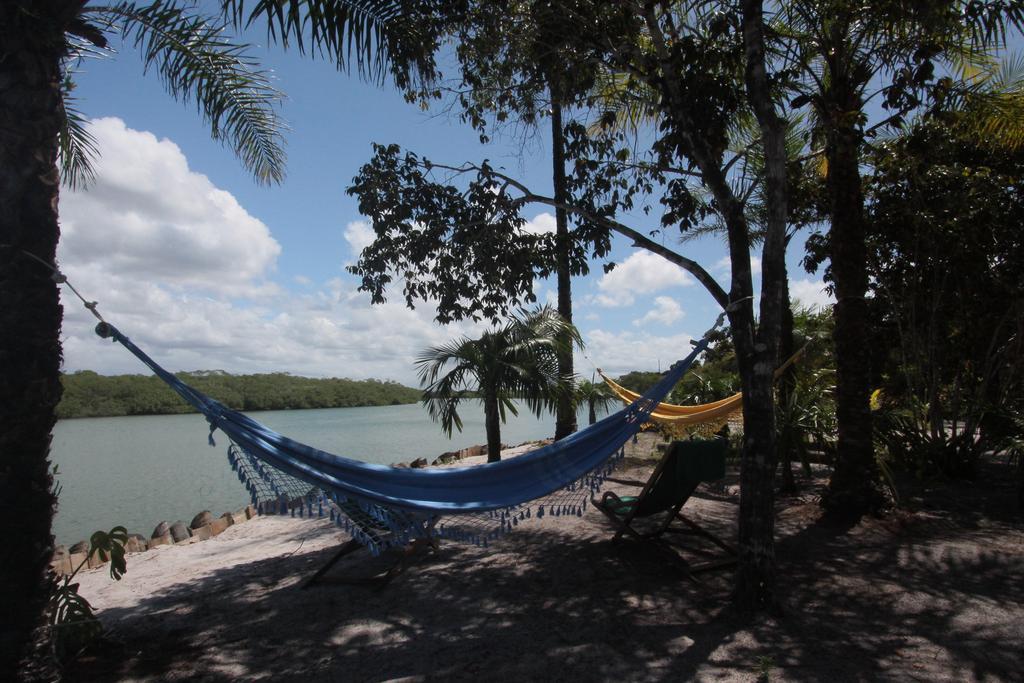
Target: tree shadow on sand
(550, 603)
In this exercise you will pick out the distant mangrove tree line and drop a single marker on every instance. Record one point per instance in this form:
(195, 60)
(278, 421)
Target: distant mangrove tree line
(88, 394)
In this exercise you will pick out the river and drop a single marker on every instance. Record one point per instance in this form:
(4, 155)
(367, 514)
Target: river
(139, 471)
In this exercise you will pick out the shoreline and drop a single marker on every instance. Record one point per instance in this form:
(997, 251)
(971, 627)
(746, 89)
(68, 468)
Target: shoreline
(66, 558)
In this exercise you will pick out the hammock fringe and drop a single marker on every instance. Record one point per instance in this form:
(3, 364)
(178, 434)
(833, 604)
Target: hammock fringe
(382, 507)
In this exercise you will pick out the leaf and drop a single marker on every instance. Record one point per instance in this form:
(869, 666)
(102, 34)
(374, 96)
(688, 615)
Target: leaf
(197, 62)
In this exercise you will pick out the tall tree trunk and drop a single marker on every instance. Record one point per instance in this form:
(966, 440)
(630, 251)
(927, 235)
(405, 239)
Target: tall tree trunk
(853, 490)
(565, 420)
(756, 349)
(592, 411)
(492, 424)
(30, 315)
(787, 385)
(756, 580)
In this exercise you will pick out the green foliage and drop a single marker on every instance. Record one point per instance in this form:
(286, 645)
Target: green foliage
(639, 380)
(73, 625)
(910, 445)
(946, 255)
(765, 665)
(378, 36)
(596, 396)
(110, 547)
(808, 415)
(87, 394)
(76, 145)
(197, 62)
(466, 250)
(517, 361)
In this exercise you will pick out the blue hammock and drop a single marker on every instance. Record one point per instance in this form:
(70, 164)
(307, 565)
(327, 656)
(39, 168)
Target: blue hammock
(472, 504)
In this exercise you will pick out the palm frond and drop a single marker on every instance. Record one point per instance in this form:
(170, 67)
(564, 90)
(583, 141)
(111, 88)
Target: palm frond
(990, 104)
(624, 103)
(76, 145)
(517, 361)
(197, 61)
(377, 36)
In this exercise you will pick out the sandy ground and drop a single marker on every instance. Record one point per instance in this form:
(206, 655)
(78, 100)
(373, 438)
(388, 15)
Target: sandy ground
(936, 594)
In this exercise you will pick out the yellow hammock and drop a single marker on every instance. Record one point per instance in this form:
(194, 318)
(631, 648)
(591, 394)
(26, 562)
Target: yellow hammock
(686, 416)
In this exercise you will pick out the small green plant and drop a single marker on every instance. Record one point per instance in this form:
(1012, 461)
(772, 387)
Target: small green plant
(765, 664)
(73, 624)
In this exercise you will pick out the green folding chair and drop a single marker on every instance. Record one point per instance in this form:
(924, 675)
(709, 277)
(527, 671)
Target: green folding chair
(685, 465)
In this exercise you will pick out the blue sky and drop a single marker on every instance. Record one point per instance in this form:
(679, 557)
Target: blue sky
(206, 269)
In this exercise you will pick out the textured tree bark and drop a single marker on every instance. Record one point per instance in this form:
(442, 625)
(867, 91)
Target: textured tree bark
(787, 385)
(30, 316)
(756, 576)
(565, 420)
(852, 491)
(756, 346)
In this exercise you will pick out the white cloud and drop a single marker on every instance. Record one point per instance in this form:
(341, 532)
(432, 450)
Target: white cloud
(641, 273)
(149, 217)
(665, 312)
(359, 235)
(724, 267)
(180, 267)
(620, 352)
(540, 224)
(810, 293)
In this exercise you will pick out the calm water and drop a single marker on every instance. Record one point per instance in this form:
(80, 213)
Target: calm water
(138, 471)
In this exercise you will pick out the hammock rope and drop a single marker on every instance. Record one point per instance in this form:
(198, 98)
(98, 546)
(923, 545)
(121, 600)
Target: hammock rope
(382, 506)
(695, 415)
(471, 504)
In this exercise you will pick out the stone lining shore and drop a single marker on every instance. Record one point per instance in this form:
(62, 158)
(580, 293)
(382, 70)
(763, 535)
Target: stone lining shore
(204, 526)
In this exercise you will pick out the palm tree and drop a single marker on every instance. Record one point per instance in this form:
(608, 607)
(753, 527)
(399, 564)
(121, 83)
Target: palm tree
(596, 395)
(41, 43)
(518, 361)
(845, 46)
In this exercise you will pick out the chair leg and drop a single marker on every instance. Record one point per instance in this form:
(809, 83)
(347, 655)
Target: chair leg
(378, 581)
(346, 549)
(697, 528)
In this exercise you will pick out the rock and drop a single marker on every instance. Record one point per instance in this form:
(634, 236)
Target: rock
(201, 520)
(227, 518)
(446, 458)
(218, 525)
(96, 560)
(159, 540)
(136, 544)
(162, 529)
(418, 463)
(61, 562)
(400, 465)
(250, 511)
(180, 532)
(80, 547)
(202, 533)
(63, 566)
(239, 516)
